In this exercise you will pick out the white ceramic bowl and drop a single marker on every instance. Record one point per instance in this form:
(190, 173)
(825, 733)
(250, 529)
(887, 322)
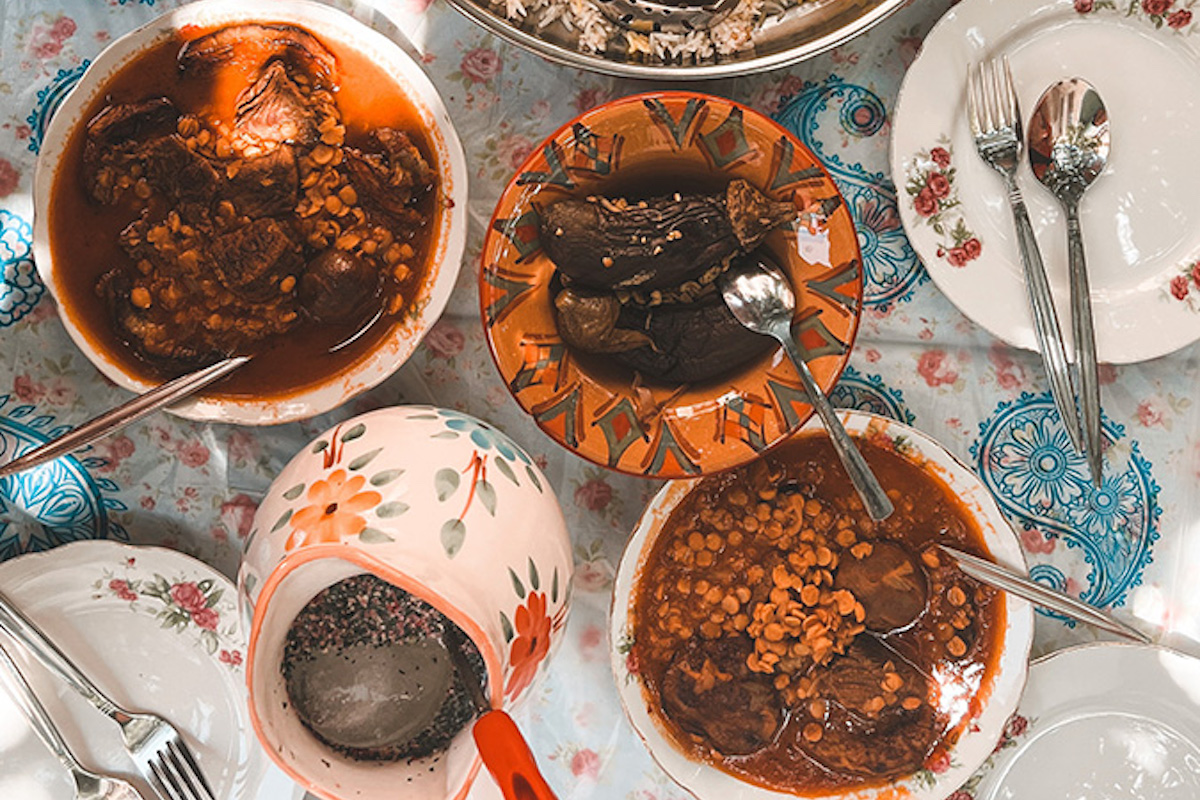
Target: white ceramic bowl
(999, 699)
(447, 243)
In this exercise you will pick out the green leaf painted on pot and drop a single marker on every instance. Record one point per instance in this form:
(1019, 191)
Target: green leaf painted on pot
(392, 509)
(361, 461)
(506, 470)
(533, 477)
(205, 585)
(210, 641)
(374, 536)
(320, 445)
(282, 520)
(487, 495)
(507, 627)
(554, 587)
(214, 598)
(424, 416)
(385, 477)
(454, 533)
(250, 582)
(534, 580)
(445, 482)
(354, 433)
(518, 587)
(294, 492)
(445, 435)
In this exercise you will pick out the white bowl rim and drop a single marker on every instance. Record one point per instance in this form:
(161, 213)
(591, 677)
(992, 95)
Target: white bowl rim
(325, 22)
(977, 741)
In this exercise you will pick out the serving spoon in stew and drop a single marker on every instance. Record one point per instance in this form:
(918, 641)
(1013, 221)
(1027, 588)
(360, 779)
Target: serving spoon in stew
(166, 394)
(761, 298)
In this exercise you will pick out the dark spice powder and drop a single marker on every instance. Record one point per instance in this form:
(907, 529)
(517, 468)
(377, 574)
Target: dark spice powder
(365, 626)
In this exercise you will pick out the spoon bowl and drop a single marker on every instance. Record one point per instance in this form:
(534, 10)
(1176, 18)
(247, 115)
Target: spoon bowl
(760, 297)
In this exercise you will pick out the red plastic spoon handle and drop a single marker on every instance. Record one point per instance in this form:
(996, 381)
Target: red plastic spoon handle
(507, 757)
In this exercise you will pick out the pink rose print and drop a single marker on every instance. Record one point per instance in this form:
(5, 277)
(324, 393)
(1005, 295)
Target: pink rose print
(588, 99)
(940, 156)
(937, 368)
(925, 203)
(243, 447)
(957, 257)
(1150, 412)
(595, 495)
(593, 576)
(188, 596)
(121, 589)
(938, 761)
(591, 638)
(1084, 6)
(231, 657)
(1156, 8)
(193, 454)
(1072, 587)
(9, 177)
(972, 248)
(961, 794)
(27, 389)
(115, 451)
(237, 514)
(445, 340)
(481, 64)
(1016, 726)
(206, 618)
(1179, 287)
(938, 185)
(1107, 374)
(48, 42)
(1009, 374)
(60, 393)
(1179, 19)
(585, 764)
(1036, 542)
(513, 150)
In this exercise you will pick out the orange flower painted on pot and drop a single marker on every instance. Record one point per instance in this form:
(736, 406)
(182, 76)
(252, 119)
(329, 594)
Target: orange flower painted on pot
(532, 642)
(334, 511)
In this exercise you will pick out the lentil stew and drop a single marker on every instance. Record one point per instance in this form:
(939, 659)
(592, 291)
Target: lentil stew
(783, 637)
(245, 189)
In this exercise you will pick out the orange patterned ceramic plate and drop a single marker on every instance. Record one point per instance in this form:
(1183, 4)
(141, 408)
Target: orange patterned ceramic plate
(609, 416)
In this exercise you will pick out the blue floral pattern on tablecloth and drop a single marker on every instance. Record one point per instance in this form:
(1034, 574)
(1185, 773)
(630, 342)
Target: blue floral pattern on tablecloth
(891, 267)
(869, 393)
(57, 502)
(1043, 485)
(20, 286)
(49, 99)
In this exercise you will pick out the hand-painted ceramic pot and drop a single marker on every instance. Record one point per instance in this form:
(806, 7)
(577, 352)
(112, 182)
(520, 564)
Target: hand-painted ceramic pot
(654, 144)
(441, 505)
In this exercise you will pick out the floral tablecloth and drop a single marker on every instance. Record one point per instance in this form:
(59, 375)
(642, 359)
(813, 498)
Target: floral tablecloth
(1132, 545)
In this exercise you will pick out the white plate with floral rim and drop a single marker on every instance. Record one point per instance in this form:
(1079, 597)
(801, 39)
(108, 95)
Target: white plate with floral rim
(1104, 721)
(1141, 218)
(992, 705)
(159, 631)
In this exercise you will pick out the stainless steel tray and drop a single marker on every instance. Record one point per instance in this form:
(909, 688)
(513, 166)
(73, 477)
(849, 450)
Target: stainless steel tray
(797, 33)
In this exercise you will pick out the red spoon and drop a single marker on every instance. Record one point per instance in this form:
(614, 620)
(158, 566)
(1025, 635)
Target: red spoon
(499, 740)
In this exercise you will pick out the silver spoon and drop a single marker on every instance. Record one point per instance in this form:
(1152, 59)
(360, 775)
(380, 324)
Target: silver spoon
(1068, 149)
(760, 297)
(88, 785)
(129, 412)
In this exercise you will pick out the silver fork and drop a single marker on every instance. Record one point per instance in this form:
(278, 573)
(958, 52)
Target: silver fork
(158, 751)
(88, 785)
(995, 121)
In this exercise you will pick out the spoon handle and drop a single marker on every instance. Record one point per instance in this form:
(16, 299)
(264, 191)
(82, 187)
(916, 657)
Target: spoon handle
(23, 695)
(1045, 319)
(877, 503)
(507, 757)
(124, 414)
(1085, 346)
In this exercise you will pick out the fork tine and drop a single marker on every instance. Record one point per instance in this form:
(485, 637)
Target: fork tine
(181, 787)
(191, 770)
(987, 77)
(985, 98)
(1014, 109)
(165, 784)
(972, 102)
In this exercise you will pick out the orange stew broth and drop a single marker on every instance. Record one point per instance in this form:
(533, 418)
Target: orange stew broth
(737, 574)
(84, 234)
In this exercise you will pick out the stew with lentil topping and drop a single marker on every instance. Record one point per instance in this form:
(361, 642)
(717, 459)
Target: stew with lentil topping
(786, 638)
(239, 190)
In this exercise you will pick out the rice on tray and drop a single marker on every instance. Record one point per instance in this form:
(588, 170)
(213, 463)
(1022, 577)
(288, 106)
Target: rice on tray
(597, 34)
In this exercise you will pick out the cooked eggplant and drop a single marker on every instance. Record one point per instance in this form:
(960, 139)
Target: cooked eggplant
(604, 243)
(684, 343)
